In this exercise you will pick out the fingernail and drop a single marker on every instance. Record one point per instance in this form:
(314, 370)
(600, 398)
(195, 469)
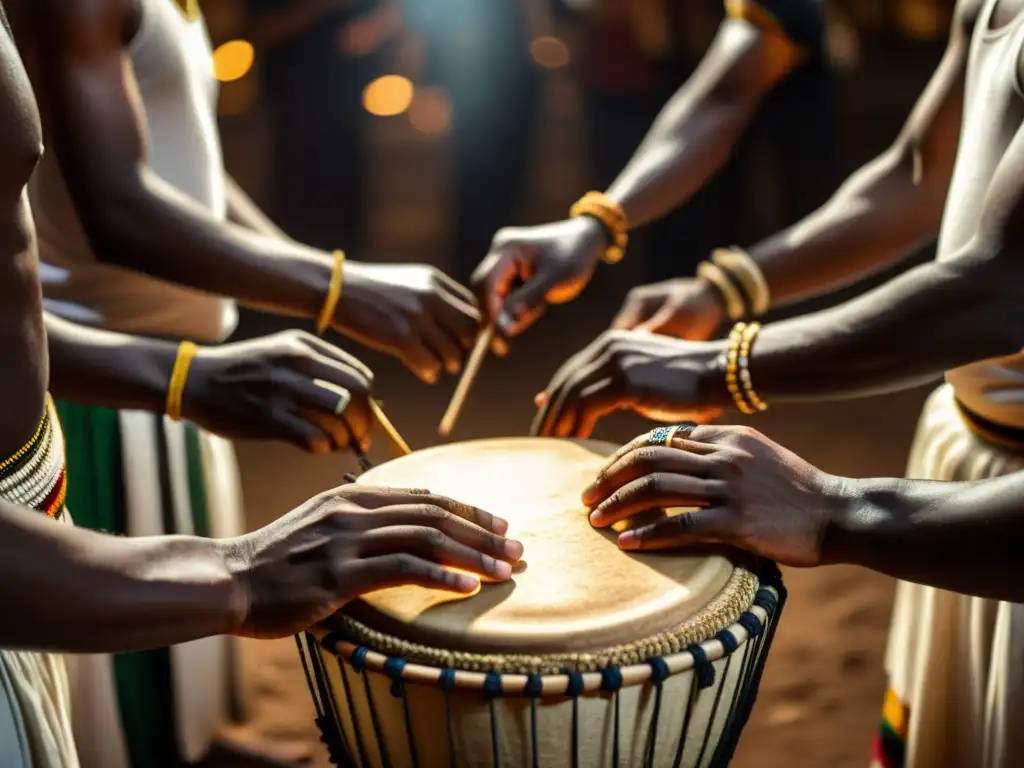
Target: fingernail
(499, 525)
(321, 446)
(504, 322)
(466, 583)
(597, 518)
(514, 549)
(588, 494)
(539, 399)
(502, 570)
(629, 540)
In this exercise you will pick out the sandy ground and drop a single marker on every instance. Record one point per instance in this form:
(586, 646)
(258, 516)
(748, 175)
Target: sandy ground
(821, 695)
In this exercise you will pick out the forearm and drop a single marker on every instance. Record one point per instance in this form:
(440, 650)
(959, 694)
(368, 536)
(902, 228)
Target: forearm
(695, 134)
(108, 369)
(245, 213)
(878, 217)
(962, 537)
(148, 226)
(931, 319)
(74, 590)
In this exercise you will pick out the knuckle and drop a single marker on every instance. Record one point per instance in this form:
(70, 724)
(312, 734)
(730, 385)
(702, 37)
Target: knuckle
(652, 485)
(645, 457)
(404, 565)
(435, 538)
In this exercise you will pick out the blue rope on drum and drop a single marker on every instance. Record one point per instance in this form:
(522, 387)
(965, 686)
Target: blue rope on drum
(770, 598)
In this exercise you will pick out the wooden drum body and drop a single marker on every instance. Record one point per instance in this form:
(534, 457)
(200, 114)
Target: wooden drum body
(590, 656)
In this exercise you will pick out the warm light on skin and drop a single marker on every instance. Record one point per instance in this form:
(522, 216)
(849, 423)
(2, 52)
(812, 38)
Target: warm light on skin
(388, 95)
(549, 52)
(233, 60)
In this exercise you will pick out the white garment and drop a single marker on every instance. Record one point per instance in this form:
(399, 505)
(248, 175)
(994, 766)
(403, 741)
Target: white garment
(171, 59)
(956, 663)
(993, 113)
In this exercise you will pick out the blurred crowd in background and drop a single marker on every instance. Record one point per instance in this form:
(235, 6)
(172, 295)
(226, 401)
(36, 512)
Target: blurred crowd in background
(413, 129)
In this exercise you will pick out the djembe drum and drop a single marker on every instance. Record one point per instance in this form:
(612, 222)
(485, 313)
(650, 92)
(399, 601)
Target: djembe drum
(590, 656)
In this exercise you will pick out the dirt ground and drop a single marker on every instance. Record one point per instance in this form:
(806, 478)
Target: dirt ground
(821, 696)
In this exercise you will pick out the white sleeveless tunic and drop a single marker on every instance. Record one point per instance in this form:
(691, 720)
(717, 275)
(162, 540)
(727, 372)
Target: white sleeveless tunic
(172, 61)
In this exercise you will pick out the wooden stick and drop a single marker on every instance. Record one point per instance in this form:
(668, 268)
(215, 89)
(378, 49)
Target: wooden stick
(476, 359)
(400, 446)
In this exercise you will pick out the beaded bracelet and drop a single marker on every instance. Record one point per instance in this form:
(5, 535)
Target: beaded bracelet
(732, 368)
(323, 320)
(179, 375)
(746, 343)
(599, 206)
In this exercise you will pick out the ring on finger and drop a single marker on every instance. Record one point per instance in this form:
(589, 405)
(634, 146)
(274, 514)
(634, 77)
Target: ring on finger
(665, 435)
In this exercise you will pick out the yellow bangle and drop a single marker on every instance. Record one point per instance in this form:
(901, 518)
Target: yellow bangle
(179, 375)
(732, 356)
(738, 264)
(599, 206)
(735, 307)
(746, 343)
(323, 320)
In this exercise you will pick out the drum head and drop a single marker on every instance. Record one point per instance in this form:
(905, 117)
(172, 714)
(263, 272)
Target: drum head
(577, 590)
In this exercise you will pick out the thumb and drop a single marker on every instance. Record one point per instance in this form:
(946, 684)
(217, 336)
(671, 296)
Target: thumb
(659, 321)
(630, 316)
(524, 307)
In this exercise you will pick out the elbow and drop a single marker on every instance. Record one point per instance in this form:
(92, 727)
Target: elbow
(114, 222)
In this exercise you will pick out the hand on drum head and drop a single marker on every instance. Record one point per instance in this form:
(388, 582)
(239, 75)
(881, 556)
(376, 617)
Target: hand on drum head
(657, 377)
(304, 566)
(289, 386)
(750, 492)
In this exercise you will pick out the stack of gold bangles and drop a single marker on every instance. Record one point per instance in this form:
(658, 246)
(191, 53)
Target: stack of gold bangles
(737, 368)
(599, 206)
(738, 279)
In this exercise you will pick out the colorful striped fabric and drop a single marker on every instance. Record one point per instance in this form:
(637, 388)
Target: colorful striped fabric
(35, 476)
(889, 750)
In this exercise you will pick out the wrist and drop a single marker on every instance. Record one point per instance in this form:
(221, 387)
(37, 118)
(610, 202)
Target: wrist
(712, 390)
(852, 519)
(236, 554)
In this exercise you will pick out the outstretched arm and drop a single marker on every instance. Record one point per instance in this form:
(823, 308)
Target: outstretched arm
(931, 319)
(754, 494)
(97, 128)
(888, 208)
(698, 129)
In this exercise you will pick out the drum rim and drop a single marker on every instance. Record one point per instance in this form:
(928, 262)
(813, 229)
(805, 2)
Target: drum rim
(721, 612)
(562, 682)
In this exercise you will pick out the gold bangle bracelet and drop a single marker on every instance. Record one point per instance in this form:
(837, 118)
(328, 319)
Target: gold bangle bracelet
(746, 343)
(179, 375)
(732, 382)
(734, 304)
(738, 264)
(323, 320)
(599, 206)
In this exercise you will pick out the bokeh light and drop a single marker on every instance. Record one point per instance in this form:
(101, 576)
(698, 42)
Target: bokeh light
(388, 95)
(430, 111)
(233, 60)
(549, 52)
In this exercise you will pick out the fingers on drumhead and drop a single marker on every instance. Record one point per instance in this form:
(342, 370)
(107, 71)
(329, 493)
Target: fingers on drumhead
(434, 545)
(700, 526)
(402, 569)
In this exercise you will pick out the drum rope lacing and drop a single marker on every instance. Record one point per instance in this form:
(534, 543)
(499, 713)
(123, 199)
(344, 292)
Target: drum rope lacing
(760, 633)
(723, 611)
